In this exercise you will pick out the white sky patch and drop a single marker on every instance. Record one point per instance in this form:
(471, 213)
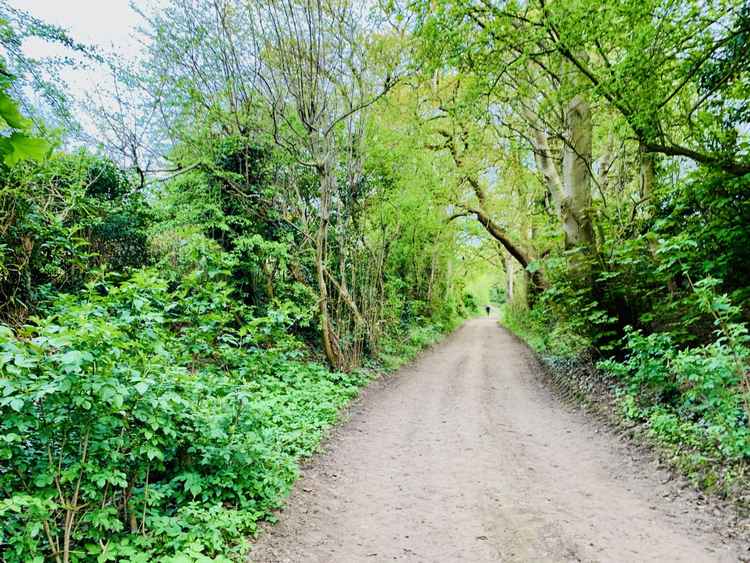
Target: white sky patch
(110, 26)
(104, 23)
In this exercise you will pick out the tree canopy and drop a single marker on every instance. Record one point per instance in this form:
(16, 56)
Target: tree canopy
(283, 195)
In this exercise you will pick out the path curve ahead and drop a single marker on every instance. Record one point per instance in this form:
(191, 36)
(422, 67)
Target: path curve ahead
(465, 456)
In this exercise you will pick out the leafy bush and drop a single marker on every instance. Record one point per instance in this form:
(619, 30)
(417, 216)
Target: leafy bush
(693, 398)
(403, 346)
(150, 420)
(642, 277)
(59, 220)
(543, 330)
(470, 304)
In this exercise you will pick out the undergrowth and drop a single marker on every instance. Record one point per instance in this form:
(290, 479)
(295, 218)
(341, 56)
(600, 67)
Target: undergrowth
(402, 348)
(692, 401)
(154, 421)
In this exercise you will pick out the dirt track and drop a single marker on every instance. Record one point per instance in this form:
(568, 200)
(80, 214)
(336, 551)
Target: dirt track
(465, 456)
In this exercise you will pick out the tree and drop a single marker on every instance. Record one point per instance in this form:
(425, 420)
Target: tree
(314, 75)
(37, 85)
(659, 95)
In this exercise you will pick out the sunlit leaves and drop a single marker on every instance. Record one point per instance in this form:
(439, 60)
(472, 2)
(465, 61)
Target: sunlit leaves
(175, 406)
(16, 144)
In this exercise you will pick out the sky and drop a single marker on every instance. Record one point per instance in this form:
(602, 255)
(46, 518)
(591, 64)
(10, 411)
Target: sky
(104, 23)
(108, 25)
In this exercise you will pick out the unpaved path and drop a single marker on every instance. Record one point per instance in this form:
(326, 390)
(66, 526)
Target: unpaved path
(465, 456)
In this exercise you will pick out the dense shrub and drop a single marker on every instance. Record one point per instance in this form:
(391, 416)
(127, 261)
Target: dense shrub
(470, 304)
(149, 420)
(693, 397)
(543, 329)
(59, 220)
(694, 400)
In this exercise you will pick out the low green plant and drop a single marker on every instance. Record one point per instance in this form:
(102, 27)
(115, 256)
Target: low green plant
(696, 398)
(157, 417)
(145, 422)
(543, 331)
(402, 347)
(693, 398)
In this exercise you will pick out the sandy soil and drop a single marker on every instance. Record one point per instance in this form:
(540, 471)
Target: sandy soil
(466, 456)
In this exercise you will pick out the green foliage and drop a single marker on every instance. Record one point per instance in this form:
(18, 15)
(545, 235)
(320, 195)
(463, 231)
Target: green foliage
(543, 330)
(703, 230)
(497, 295)
(231, 201)
(694, 399)
(16, 141)
(403, 346)
(470, 304)
(61, 219)
(641, 277)
(161, 422)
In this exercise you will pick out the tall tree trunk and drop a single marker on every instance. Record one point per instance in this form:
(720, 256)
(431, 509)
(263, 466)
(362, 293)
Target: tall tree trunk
(332, 353)
(647, 172)
(575, 204)
(327, 178)
(509, 274)
(571, 193)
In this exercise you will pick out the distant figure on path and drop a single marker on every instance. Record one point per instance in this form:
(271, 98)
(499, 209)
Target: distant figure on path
(487, 308)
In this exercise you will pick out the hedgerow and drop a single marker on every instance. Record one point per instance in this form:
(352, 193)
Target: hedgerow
(145, 422)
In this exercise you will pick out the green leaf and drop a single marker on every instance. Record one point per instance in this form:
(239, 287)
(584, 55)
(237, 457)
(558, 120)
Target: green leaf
(10, 113)
(43, 480)
(72, 360)
(154, 453)
(20, 146)
(24, 361)
(533, 266)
